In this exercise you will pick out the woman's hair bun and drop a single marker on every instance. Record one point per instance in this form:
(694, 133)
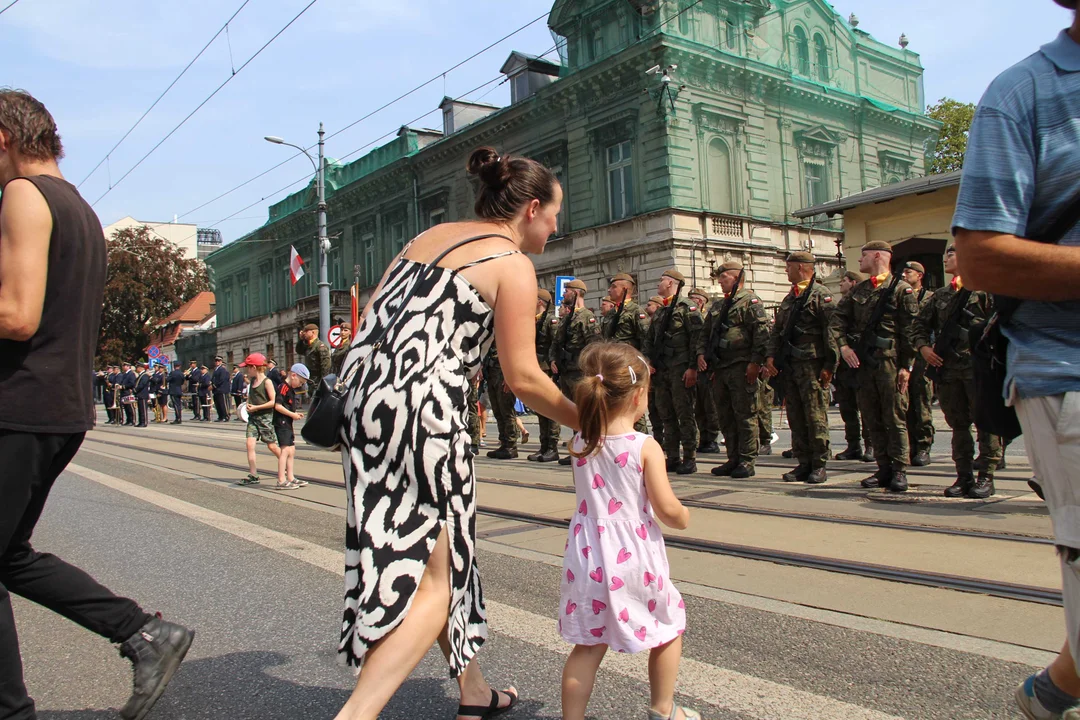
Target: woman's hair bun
(493, 170)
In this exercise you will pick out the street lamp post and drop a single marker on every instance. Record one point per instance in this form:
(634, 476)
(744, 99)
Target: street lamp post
(324, 241)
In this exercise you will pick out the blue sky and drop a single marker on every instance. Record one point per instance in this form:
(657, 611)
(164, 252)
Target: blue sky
(99, 65)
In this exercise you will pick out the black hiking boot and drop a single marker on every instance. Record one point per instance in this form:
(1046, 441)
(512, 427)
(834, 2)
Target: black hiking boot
(155, 652)
(817, 477)
(550, 455)
(742, 471)
(686, 467)
(879, 479)
(982, 489)
(853, 452)
(921, 459)
(764, 449)
(964, 482)
(898, 483)
(799, 474)
(726, 469)
(710, 448)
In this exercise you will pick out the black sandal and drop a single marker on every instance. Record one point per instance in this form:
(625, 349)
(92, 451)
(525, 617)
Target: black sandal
(491, 710)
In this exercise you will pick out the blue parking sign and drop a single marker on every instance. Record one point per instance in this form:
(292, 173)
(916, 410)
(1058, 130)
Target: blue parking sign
(560, 287)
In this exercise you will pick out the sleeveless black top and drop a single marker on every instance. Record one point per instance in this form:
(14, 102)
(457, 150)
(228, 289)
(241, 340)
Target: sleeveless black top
(46, 381)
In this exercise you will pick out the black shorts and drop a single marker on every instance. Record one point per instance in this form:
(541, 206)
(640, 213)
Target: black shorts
(285, 436)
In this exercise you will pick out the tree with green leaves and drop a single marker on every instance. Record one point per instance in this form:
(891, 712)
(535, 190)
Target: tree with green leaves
(955, 118)
(147, 280)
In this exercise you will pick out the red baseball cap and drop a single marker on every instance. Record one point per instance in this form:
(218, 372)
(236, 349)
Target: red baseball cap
(257, 359)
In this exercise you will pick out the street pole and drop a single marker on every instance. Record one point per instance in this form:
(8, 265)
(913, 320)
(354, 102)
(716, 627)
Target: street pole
(324, 245)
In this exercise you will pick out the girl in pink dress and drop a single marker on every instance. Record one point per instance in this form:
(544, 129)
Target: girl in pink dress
(616, 588)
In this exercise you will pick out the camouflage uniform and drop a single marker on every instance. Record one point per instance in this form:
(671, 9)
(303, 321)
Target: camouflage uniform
(546, 324)
(729, 350)
(846, 382)
(766, 398)
(318, 363)
(920, 418)
(628, 324)
(812, 349)
(671, 349)
(502, 401)
(883, 406)
(474, 414)
(956, 382)
(573, 333)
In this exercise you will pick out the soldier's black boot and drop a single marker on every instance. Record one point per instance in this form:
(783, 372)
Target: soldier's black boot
(725, 469)
(686, 467)
(535, 457)
(742, 471)
(709, 448)
(817, 477)
(898, 483)
(853, 452)
(868, 456)
(1036, 488)
(921, 459)
(764, 448)
(671, 464)
(964, 481)
(799, 474)
(982, 489)
(155, 652)
(503, 453)
(564, 460)
(788, 454)
(879, 479)
(549, 455)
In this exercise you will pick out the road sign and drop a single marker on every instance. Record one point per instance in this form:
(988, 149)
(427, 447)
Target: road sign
(333, 337)
(154, 352)
(560, 287)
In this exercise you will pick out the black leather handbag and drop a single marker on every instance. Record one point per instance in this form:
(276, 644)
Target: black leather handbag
(327, 414)
(990, 352)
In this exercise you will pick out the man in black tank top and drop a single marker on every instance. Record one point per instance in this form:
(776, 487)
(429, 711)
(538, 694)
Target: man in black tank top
(52, 280)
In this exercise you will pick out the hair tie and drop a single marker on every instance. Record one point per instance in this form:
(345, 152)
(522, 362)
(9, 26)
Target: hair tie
(600, 376)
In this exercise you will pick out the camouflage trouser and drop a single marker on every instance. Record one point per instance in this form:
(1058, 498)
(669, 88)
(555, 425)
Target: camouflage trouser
(920, 419)
(957, 398)
(808, 412)
(676, 404)
(502, 407)
(655, 420)
(567, 382)
(474, 413)
(766, 395)
(884, 408)
(549, 432)
(708, 420)
(848, 400)
(737, 403)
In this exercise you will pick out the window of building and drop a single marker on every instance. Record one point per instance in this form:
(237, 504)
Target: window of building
(624, 28)
(397, 236)
(620, 181)
(436, 217)
(802, 52)
(370, 271)
(448, 120)
(817, 190)
(597, 44)
(519, 87)
(229, 359)
(245, 306)
(719, 177)
(732, 34)
(226, 307)
(821, 53)
(336, 270)
(270, 351)
(268, 292)
(289, 358)
(684, 18)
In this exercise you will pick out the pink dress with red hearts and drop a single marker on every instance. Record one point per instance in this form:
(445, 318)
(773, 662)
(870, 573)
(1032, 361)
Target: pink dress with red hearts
(616, 588)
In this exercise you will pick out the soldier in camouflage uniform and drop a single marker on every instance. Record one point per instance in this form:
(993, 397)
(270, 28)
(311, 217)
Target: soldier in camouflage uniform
(627, 322)
(732, 349)
(474, 415)
(501, 399)
(846, 382)
(576, 330)
(546, 323)
(705, 414)
(766, 398)
(803, 339)
(607, 312)
(651, 308)
(885, 368)
(956, 379)
(316, 357)
(920, 418)
(670, 348)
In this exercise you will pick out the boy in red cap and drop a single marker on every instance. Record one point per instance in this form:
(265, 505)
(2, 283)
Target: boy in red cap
(260, 426)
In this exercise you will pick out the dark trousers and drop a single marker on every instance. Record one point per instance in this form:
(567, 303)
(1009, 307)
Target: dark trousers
(237, 401)
(144, 406)
(129, 413)
(220, 406)
(204, 409)
(177, 405)
(31, 463)
(195, 405)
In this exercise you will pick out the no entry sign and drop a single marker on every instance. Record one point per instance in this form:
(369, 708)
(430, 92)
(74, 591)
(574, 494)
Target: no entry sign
(333, 337)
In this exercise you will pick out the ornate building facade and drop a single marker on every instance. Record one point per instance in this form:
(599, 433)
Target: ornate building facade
(684, 133)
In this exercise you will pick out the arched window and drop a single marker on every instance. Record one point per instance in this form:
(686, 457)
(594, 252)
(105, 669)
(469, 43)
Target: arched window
(720, 177)
(821, 53)
(732, 34)
(802, 52)
(685, 19)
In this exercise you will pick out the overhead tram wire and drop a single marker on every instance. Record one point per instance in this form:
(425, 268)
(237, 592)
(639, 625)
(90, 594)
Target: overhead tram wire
(374, 112)
(163, 94)
(414, 120)
(8, 6)
(208, 98)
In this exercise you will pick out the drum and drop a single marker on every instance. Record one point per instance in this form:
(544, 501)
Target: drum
(241, 411)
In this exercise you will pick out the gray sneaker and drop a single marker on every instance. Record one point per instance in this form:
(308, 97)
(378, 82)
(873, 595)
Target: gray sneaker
(1032, 709)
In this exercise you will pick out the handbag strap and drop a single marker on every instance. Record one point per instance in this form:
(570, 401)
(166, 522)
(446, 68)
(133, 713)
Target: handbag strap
(430, 269)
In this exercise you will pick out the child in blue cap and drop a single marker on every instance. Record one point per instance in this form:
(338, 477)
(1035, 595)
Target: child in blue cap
(284, 415)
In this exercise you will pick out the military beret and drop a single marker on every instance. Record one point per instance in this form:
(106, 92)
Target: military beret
(674, 275)
(698, 291)
(577, 285)
(608, 299)
(877, 245)
(801, 256)
(916, 266)
(729, 265)
(311, 326)
(855, 276)
(657, 299)
(623, 276)
(542, 294)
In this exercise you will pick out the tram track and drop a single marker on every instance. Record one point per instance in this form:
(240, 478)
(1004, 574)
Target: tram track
(704, 505)
(1011, 591)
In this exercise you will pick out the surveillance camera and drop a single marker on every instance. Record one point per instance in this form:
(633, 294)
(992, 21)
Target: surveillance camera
(653, 70)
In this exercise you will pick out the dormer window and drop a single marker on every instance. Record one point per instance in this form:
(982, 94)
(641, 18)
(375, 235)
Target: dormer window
(527, 74)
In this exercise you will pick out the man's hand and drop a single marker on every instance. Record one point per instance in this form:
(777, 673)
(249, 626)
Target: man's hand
(903, 377)
(753, 371)
(850, 356)
(702, 365)
(825, 378)
(769, 371)
(690, 377)
(505, 387)
(931, 357)
(554, 368)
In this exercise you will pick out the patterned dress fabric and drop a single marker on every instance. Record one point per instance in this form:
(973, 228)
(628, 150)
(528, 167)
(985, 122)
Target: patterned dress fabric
(616, 586)
(405, 453)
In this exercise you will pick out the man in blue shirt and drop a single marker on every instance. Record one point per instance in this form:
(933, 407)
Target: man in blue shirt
(1022, 169)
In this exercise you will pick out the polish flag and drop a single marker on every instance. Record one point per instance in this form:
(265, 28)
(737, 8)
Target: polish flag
(296, 271)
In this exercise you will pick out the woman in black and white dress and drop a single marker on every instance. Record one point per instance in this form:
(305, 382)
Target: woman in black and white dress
(411, 576)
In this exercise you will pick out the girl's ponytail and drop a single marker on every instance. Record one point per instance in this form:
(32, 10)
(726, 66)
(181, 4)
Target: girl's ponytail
(611, 373)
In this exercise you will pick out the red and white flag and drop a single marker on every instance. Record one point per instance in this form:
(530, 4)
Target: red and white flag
(296, 269)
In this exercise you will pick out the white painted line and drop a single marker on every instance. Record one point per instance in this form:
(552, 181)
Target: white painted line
(725, 688)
